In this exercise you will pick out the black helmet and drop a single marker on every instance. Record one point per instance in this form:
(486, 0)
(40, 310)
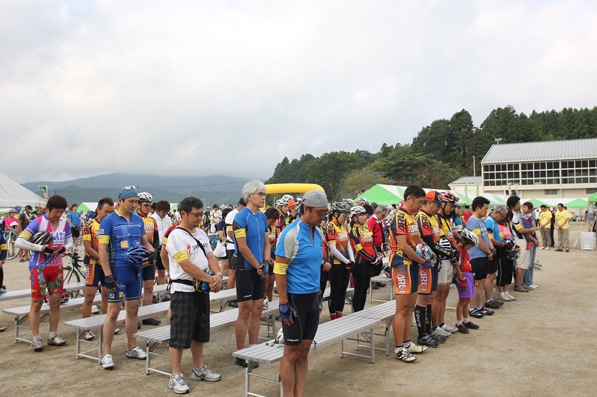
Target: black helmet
(41, 238)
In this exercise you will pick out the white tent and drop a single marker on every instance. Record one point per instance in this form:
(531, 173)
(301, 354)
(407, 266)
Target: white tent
(13, 194)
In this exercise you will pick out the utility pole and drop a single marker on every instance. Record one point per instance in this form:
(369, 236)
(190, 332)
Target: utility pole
(474, 170)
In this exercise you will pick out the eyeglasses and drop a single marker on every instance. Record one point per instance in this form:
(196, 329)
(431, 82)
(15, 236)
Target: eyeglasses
(262, 194)
(146, 204)
(321, 212)
(196, 214)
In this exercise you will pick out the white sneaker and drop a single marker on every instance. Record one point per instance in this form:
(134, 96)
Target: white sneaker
(448, 328)
(512, 298)
(504, 297)
(137, 353)
(95, 309)
(89, 335)
(533, 286)
(56, 341)
(442, 332)
(542, 248)
(416, 349)
(107, 362)
(37, 344)
(178, 385)
(205, 373)
(547, 249)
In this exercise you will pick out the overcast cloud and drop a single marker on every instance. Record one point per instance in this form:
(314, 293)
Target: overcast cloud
(215, 87)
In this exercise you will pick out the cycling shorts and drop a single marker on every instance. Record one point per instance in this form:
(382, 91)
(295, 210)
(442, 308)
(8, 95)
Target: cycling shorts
(479, 266)
(128, 284)
(148, 272)
(231, 259)
(249, 285)
(427, 280)
(46, 280)
(95, 275)
(405, 277)
(304, 325)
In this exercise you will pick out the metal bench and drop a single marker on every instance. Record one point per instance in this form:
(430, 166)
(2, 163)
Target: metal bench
(96, 322)
(339, 330)
(383, 279)
(159, 336)
(21, 314)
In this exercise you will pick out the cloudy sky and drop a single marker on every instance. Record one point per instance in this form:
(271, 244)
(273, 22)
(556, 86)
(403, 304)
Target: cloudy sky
(231, 87)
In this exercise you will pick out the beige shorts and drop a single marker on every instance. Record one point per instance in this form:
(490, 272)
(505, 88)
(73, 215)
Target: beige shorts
(523, 261)
(446, 272)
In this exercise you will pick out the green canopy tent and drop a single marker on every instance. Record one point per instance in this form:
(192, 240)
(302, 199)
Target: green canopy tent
(593, 198)
(538, 203)
(87, 206)
(577, 203)
(383, 194)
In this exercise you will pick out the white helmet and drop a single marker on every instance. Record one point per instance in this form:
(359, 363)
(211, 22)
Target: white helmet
(357, 210)
(145, 197)
(287, 197)
(281, 202)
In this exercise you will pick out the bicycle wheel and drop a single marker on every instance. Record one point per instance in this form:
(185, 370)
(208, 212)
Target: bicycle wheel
(12, 251)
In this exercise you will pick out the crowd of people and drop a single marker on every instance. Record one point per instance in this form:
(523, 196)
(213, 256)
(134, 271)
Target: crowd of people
(424, 244)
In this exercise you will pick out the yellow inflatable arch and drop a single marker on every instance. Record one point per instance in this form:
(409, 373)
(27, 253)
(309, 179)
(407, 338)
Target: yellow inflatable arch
(283, 188)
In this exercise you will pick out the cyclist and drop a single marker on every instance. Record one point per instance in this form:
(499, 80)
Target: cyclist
(163, 220)
(24, 219)
(404, 236)
(45, 267)
(338, 239)
(153, 237)
(282, 206)
(120, 231)
(94, 274)
(367, 257)
(221, 233)
(231, 247)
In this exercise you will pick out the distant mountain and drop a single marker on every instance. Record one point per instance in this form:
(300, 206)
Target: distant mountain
(211, 189)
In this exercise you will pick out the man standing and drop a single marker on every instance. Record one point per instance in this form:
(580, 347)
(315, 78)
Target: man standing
(299, 255)
(231, 247)
(253, 254)
(120, 232)
(466, 214)
(74, 219)
(162, 219)
(152, 234)
(190, 260)
(545, 226)
(95, 274)
(24, 219)
(481, 255)
(524, 257)
(493, 231)
(562, 224)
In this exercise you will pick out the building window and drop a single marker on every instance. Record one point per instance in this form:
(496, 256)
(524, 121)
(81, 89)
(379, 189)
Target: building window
(552, 192)
(591, 190)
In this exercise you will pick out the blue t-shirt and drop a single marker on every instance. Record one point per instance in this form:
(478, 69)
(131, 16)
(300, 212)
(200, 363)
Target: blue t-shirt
(120, 235)
(478, 227)
(493, 228)
(305, 254)
(75, 218)
(253, 227)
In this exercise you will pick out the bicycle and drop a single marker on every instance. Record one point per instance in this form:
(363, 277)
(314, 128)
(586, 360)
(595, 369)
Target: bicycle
(11, 237)
(74, 269)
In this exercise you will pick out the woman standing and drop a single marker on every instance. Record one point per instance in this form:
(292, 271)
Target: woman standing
(366, 258)
(338, 239)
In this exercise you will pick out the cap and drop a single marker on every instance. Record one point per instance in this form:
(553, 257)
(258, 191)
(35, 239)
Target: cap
(291, 204)
(315, 198)
(28, 207)
(434, 195)
(127, 192)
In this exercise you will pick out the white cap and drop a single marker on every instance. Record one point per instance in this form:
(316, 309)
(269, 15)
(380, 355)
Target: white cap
(315, 198)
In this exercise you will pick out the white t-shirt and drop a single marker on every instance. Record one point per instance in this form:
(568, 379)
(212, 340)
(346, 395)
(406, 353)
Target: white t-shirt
(181, 246)
(229, 220)
(163, 224)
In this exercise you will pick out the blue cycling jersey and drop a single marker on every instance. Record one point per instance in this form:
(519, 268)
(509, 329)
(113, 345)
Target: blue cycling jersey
(305, 254)
(120, 235)
(493, 228)
(252, 226)
(478, 227)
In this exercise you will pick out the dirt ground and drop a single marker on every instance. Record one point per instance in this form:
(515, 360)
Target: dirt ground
(544, 344)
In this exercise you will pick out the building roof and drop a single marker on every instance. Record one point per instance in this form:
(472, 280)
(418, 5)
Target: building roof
(467, 180)
(538, 151)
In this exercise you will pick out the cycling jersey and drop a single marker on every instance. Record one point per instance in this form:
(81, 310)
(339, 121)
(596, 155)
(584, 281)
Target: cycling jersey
(151, 229)
(362, 241)
(446, 227)
(91, 234)
(478, 227)
(61, 237)
(428, 226)
(303, 245)
(229, 221)
(493, 229)
(338, 235)
(252, 227)
(3, 247)
(403, 224)
(120, 235)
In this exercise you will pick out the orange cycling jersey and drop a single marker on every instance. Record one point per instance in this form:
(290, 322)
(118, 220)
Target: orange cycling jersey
(446, 227)
(91, 233)
(362, 241)
(151, 226)
(403, 224)
(338, 235)
(428, 225)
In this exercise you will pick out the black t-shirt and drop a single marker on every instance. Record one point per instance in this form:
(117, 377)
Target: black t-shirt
(24, 220)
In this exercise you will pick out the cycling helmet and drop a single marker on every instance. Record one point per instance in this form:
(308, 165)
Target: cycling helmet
(425, 252)
(135, 256)
(145, 197)
(362, 201)
(469, 237)
(287, 197)
(42, 238)
(348, 201)
(340, 206)
(281, 202)
(509, 244)
(357, 210)
(445, 247)
(299, 201)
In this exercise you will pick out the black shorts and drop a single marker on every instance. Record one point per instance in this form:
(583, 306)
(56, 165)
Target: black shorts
(249, 285)
(75, 232)
(158, 260)
(492, 265)
(304, 326)
(190, 319)
(148, 272)
(231, 259)
(479, 266)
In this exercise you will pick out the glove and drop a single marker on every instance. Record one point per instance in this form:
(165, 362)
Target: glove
(151, 258)
(264, 268)
(48, 249)
(287, 312)
(61, 251)
(110, 282)
(427, 264)
(349, 265)
(462, 283)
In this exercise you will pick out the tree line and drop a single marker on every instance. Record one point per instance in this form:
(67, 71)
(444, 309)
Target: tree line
(440, 153)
